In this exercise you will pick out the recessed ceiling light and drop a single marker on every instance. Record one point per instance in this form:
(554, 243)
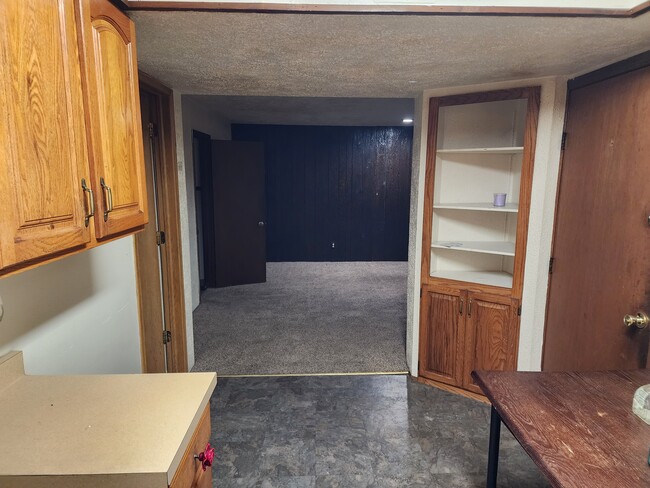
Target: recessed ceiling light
(407, 120)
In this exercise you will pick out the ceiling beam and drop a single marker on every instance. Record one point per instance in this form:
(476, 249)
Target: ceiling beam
(383, 9)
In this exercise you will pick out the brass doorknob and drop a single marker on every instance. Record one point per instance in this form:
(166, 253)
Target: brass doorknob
(640, 320)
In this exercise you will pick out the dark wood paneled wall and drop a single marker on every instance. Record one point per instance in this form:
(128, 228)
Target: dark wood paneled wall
(335, 193)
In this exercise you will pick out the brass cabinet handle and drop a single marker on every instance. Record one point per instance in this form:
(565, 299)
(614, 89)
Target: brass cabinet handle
(640, 320)
(460, 309)
(91, 201)
(108, 194)
(469, 308)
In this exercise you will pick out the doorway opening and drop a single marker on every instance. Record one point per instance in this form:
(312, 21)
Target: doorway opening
(303, 214)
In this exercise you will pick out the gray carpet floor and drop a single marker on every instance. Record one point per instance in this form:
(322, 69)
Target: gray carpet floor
(307, 318)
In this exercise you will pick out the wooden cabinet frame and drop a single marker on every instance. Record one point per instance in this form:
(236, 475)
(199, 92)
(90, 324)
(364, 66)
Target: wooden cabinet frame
(172, 266)
(530, 136)
(503, 323)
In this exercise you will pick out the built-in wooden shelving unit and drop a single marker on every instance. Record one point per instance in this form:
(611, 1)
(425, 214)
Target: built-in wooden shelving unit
(474, 252)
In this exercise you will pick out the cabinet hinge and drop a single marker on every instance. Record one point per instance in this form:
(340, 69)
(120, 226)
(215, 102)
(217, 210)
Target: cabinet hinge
(160, 237)
(519, 310)
(167, 336)
(550, 265)
(563, 141)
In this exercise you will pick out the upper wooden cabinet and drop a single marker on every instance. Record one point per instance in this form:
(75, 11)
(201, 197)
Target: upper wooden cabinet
(70, 138)
(43, 152)
(113, 102)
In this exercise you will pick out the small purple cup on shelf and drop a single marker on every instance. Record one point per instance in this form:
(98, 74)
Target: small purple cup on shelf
(499, 200)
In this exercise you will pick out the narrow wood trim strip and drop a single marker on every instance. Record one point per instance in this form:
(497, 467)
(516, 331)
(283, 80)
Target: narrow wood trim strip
(452, 389)
(152, 84)
(639, 61)
(385, 9)
(174, 301)
(293, 375)
(639, 9)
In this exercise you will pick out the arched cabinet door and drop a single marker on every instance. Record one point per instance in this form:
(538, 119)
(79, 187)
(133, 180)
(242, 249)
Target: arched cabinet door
(113, 107)
(43, 151)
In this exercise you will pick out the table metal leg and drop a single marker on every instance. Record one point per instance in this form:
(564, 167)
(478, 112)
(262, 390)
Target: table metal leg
(493, 453)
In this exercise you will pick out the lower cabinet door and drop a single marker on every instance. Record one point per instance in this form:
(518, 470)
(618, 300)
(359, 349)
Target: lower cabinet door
(190, 473)
(442, 334)
(491, 331)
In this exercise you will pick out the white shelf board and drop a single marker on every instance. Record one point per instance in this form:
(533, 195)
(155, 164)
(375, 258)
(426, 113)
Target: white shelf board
(501, 248)
(483, 150)
(494, 278)
(481, 207)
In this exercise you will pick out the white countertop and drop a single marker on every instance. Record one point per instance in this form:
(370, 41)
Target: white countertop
(97, 425)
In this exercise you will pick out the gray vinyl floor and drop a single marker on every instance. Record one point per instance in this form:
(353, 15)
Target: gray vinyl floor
(356, 432)
(307, 318)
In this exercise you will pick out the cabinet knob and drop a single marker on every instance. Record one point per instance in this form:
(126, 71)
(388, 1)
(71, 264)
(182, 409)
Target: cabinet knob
(206, 457)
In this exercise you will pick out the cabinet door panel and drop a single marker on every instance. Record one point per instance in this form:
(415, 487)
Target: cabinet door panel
(491, 340)
(42, 137)
(441, 335)
(114, 105)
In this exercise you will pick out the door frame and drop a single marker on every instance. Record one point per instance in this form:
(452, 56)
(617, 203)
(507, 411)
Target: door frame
(640, 61)
(169, 218)
(207, 207)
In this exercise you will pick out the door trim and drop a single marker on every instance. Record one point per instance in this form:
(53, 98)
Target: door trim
(639, 61)
(207, 207)
(169, 217)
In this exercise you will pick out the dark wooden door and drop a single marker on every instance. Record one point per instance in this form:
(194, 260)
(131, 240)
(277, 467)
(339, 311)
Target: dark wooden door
(601, 252)
(239, 212)
(491, 334)
(442, 334)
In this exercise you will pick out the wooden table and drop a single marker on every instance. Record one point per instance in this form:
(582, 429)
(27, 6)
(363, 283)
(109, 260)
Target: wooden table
(578, 428)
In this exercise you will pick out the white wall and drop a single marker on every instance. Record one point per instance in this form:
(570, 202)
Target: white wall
(195, 117)
(185, 234)
(78, 315)
(540, 226)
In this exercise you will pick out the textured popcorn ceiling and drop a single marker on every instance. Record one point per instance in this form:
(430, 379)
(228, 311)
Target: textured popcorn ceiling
(307, 111)
(371, 55)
